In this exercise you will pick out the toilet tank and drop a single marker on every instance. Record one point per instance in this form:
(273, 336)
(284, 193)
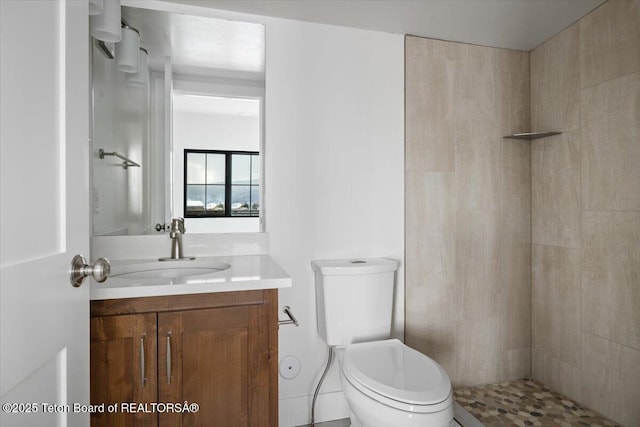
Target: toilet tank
(354, 299)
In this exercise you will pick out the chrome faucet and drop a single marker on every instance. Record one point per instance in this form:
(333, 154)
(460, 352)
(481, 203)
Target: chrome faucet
(175, 234)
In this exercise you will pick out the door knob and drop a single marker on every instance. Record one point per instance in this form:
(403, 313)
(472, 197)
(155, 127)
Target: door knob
(80, 269)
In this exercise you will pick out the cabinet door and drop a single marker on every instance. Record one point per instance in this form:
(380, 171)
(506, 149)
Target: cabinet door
(123, 368)
(219, 359)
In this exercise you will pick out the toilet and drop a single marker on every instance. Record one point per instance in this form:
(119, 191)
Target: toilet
(386, 383)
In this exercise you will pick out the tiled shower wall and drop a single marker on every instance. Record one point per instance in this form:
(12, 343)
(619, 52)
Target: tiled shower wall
(469, 253)
(467, 209)
(585, 82)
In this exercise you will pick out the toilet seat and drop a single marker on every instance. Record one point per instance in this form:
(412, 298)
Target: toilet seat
(396, 375)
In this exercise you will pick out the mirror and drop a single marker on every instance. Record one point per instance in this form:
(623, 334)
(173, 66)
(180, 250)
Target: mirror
(183, 136)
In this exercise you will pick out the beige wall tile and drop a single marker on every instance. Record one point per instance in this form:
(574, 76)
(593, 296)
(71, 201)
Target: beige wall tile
(566, 192)
(611, 379)
(514, 112)
(609, 42)
(560, 376)
(517, 364)
(468, 233)
(478, 166)
(555, 83)
(468, 229)
(611, 276)
(479, 352)
(514, 279)
(438, 340)
(515, 195)
(478, 262)
(477, 78)
(430, 118)
(556, 318)
(478, 139)
(555, 171)
(555, 190)
(610, 144)
(430, 246)
(513, 115)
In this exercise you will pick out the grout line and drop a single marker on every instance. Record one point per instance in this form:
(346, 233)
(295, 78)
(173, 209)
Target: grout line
(531, 183)
(610, 340)
(580, 391)
(608, 210)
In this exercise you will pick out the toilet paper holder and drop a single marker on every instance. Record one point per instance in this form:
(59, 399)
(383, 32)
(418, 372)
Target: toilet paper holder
(291, 318)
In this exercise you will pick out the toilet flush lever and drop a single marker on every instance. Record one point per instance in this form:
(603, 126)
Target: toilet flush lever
(291, 318)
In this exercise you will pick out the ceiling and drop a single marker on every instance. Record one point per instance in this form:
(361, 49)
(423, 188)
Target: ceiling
(512, 24)
(200, 45)
(216, 106)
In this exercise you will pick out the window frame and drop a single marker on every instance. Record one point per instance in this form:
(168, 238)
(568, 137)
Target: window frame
(228, 185)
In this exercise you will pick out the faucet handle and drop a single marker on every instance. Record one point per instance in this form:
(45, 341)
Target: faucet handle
(177, 224)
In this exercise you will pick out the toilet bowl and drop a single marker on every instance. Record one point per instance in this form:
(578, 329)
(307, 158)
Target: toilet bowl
(388, 384)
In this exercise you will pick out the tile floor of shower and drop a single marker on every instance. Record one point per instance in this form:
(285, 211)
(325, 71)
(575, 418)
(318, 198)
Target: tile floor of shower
(519, 403)
(524, 403)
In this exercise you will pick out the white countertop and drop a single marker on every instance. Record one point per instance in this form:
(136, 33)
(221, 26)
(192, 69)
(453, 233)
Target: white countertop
(249, 272)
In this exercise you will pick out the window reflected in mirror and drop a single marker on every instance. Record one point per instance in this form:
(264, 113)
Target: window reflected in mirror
(221, 183)
(217, 140)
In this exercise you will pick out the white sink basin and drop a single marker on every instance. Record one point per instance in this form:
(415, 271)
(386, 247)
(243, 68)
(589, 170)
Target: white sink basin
(167, 269)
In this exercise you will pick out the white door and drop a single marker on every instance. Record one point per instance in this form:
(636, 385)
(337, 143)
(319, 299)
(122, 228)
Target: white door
(44, 211)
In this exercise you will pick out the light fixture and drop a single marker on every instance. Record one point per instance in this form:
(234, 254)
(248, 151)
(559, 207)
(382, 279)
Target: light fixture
(106, 26)
(127, 50)
(96, 7)
(141, 77)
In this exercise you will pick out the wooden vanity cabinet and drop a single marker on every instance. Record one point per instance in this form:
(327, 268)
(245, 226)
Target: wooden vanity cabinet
(217, 350)
(123, 367)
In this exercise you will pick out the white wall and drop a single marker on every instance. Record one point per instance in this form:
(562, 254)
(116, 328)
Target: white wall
(334, 177)
(334, 173)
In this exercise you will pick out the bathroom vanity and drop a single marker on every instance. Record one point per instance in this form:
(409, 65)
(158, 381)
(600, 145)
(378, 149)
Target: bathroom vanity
(191, 327)
(208, 342)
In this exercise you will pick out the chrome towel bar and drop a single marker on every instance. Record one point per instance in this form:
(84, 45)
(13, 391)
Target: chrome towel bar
(291, 318)
(126, 161)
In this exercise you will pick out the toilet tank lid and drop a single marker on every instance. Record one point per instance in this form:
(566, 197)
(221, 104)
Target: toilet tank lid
(335, 267)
